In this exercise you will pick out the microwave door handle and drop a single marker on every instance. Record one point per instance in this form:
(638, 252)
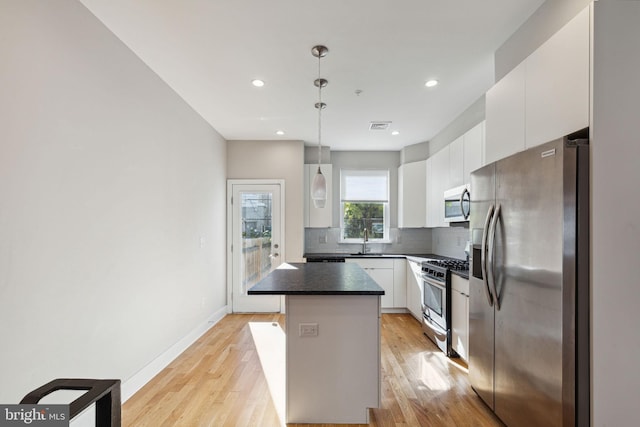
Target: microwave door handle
(466, 193)
(491, 257)
(483, 255)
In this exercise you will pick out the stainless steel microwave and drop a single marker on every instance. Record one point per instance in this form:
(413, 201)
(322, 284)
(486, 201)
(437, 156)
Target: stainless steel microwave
(457, 204)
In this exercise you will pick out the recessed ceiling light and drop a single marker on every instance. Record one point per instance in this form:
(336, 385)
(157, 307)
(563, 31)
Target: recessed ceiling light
(279, 132)
(395, 132)
(257, 83)
(431, 83)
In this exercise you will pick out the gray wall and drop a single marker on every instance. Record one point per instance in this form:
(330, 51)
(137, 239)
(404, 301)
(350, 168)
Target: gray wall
(544, 22)
(615, 175)
(275, 160)
(109, 182)
(366, 160)
(470, 117)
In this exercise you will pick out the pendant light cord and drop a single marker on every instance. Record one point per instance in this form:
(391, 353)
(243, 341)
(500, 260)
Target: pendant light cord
(319, 114)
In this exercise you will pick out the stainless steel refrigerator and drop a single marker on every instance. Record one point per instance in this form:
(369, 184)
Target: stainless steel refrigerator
(529, 285)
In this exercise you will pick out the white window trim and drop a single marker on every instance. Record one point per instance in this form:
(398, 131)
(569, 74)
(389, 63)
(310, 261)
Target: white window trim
(386, 206)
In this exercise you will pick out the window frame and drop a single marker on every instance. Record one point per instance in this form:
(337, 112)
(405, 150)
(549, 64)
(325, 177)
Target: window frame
(384, 201)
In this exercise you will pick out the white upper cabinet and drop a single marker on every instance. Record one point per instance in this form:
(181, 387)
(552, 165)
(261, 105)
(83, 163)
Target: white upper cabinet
(473, 151)
(317, 217)
(456, 162)
(412, 194)
(557, 84)
(545, 97)
(437, 183)
(504, 110)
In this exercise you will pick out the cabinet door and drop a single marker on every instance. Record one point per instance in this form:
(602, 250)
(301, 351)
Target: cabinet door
(460, 323)
(473, 151)
(460, 315)
(414, 289)
(380, 270)
(437, 184)
(384, 278)
(557, 84)
(456, 163)
(412, 195)
(505, 103)
(317, 217)
(399, 283)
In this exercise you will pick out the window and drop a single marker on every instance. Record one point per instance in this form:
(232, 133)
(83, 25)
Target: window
(364, 203)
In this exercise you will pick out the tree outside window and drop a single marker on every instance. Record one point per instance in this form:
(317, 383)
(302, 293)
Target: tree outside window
(358, 216)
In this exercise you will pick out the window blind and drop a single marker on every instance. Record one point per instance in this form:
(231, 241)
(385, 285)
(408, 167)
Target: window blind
(364, 185)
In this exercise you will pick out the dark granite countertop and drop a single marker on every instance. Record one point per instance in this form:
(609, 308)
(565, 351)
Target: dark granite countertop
(337, 255)
(462, 273)
(317, 279)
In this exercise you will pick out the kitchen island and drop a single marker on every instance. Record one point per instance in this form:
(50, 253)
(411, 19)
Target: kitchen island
(332, 341)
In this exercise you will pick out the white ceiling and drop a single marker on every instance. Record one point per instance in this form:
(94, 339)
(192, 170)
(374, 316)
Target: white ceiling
(208, 51)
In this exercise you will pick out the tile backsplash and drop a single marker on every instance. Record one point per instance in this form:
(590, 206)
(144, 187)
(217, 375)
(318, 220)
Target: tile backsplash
(403, 241)
(450, 241)
(445, 241)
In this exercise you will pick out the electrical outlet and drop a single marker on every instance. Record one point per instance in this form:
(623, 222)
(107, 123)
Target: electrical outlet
(308, 329)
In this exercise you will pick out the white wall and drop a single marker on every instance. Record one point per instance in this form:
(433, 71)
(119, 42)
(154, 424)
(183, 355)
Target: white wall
(615, 203)
(109, 183)
(275, 160)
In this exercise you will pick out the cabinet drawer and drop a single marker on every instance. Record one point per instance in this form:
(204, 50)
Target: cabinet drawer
(459, 284)
(372, 262)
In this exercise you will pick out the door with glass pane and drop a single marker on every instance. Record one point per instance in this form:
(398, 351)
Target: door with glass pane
(256, 227)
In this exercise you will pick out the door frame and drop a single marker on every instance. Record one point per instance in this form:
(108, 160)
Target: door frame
(229, 252)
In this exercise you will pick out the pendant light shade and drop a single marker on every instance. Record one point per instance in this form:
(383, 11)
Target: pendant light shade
(319, 185)
(319, 189)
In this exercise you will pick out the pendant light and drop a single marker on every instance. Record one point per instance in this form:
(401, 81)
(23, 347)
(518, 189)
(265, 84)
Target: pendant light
(319, 185)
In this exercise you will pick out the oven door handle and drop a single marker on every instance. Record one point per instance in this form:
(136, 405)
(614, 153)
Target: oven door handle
(483, 255)
(435, 328)
(432, 282)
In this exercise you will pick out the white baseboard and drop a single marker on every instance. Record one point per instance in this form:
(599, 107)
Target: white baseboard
(143, 376)
(394, 310)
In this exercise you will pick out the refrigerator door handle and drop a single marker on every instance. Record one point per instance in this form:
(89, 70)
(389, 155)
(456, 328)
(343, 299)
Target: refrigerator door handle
(491, 256)
(483, 255)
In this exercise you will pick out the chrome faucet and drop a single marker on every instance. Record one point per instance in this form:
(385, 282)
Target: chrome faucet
(364, 241)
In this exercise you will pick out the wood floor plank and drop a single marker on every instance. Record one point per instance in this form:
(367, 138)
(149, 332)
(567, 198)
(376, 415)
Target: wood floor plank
(219, 381)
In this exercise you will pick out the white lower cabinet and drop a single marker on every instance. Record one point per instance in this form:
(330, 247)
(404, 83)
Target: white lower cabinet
(414, 289)
(460, 316)
(381, 270)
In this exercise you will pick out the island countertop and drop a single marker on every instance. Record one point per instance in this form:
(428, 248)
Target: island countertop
(317, 279)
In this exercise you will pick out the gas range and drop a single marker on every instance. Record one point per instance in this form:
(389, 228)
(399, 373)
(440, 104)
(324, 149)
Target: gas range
(436, 303)
(437, 269)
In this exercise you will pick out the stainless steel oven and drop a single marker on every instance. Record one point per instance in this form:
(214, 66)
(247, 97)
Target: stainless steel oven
(436, 300)
(436, 304)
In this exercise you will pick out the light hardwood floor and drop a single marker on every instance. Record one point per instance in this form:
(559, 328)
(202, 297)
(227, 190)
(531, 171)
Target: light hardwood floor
(219, 381)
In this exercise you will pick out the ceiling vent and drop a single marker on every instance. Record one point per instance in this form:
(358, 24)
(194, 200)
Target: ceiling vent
(379, 125)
